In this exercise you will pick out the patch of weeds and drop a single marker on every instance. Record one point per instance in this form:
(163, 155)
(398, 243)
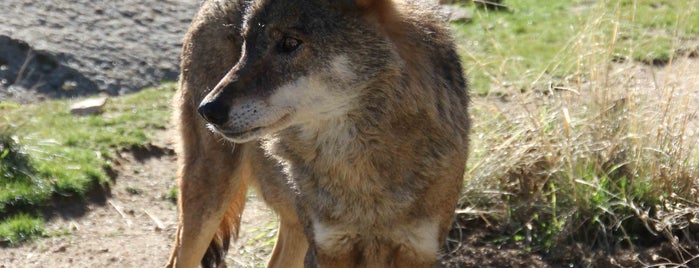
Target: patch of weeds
(134, 190)
(172, 194)
(264, 236)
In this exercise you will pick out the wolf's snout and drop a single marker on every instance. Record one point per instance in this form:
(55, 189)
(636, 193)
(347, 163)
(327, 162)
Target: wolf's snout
(215, 112)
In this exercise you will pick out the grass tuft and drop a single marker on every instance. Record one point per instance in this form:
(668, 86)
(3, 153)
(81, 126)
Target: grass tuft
(20, 228)
(172, 194)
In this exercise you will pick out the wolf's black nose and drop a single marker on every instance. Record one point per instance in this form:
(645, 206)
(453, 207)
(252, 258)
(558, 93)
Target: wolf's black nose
(215, 112)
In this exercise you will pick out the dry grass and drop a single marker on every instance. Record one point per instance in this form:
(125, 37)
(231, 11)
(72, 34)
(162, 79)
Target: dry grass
(606, 155)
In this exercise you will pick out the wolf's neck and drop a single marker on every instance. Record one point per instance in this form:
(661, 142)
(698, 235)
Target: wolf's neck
(361, 146)
(325, 140)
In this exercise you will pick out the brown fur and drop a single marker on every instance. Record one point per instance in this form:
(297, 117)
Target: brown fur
(373, 185)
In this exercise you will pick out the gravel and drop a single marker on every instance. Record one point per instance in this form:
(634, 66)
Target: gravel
(72, 48)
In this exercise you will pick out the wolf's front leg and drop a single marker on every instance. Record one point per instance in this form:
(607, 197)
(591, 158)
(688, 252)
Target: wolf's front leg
(211, 174)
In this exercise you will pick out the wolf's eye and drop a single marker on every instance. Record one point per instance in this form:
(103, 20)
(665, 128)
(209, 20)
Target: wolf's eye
(289, 44)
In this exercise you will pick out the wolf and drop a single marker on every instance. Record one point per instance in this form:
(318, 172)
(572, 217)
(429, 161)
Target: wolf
(349, 117)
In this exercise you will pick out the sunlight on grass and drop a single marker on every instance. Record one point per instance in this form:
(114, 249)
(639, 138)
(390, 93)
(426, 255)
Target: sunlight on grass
(531, 47)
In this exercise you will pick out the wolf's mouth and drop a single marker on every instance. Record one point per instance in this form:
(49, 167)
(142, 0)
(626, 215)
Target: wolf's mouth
(241, 133)
(255, 132)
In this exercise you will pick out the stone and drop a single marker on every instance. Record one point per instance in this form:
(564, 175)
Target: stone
(89, 106)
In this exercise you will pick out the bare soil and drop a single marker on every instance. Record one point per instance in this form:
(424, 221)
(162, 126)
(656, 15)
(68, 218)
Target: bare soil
(73, 48)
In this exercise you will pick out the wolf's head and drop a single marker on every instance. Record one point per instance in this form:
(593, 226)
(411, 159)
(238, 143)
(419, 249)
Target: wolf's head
(301, 61)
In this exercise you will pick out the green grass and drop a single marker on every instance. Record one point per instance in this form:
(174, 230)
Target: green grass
(48, 153)
(541, 43)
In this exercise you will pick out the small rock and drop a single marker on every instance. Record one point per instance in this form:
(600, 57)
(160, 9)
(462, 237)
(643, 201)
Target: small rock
(89, 106)
(61, 248)
(104, 250)
(456, 14)
(69, 85)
